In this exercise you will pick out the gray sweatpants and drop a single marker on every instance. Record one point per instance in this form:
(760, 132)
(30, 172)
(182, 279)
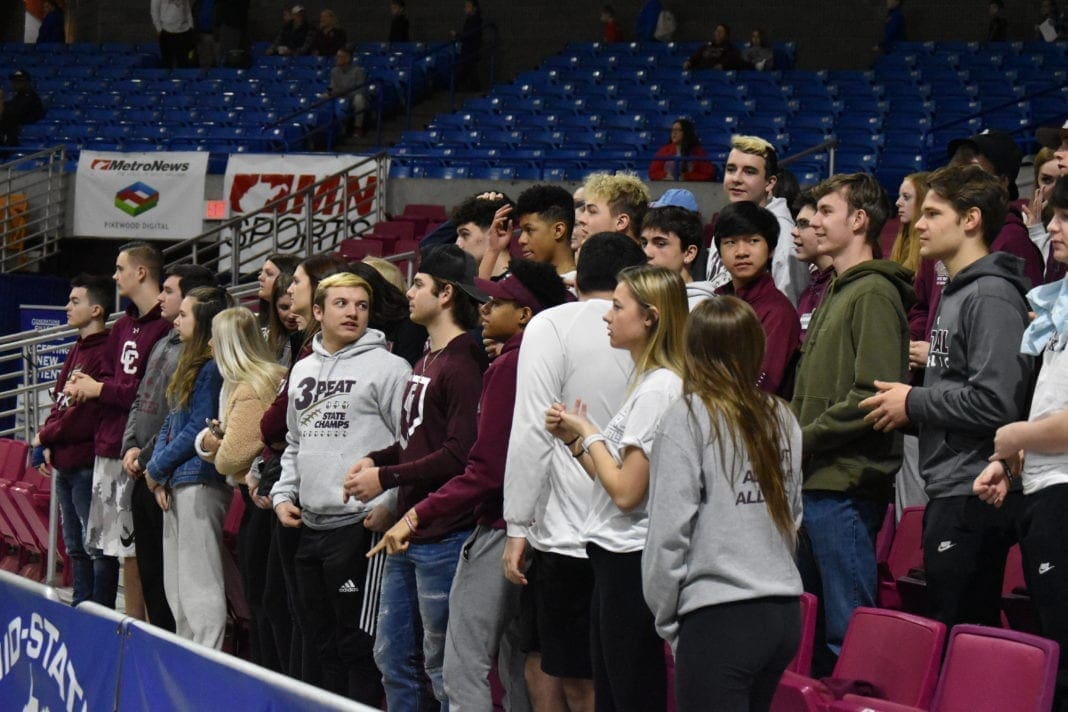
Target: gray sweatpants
(192, 562)
(909, 483)
(483, 626)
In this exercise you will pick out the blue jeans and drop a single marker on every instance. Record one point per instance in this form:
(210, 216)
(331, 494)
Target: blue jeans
(838, 566)
(415, 595)
(75, 490)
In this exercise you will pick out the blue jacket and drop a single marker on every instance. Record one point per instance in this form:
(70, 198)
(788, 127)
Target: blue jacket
(175, 461)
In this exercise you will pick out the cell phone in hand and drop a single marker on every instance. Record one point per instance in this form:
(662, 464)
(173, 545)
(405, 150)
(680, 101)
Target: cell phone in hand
(213, 426)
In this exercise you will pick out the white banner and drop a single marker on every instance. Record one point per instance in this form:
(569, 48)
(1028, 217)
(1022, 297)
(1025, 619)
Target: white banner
(153, 196)
(343, 207)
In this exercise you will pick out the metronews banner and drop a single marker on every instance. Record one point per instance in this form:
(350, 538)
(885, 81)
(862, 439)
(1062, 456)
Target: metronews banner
(155, 196)
(343, 207)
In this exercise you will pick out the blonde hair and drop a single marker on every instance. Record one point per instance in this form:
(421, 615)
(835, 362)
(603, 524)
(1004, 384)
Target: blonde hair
(906, 249)
(756, 146)
(1044, 156)
(724, 344)
(242, 355)
(623, 191)
(663, 290)
(389, 271)
(342, 279)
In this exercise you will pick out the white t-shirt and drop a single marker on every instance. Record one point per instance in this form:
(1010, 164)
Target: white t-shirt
(634, 425)
(566, 354)
(1051, 394)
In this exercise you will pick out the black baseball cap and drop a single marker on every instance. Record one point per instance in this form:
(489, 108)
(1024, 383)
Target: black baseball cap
(1052, 136)
(451, 264)
(997, 146)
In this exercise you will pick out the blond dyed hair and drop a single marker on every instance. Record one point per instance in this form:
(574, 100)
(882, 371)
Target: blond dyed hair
(756, 146)
(623, 191)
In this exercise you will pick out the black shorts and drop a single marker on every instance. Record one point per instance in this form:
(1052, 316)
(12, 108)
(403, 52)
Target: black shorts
(556, 614)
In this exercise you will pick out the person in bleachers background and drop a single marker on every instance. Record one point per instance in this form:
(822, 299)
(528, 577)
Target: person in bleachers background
(207, 50)
(998, 28)
(470, 39)
(893, 26)
(329, 37)
(719, 53)
(347, 80)
(52, 28)
(759, 53)
(24, 107)
(610, 28)
(294, 37)
(173, 20)
(231, 24)
(683, 141)
(399, 27)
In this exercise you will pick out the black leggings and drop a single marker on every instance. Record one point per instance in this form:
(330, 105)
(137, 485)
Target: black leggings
(629, 672)
(730, 656)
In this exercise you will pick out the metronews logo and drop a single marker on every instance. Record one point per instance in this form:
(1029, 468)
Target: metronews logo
(118, 164)
(136, 199)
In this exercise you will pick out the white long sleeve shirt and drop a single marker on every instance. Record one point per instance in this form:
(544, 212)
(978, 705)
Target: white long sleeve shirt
(565, 355)
(172, 16)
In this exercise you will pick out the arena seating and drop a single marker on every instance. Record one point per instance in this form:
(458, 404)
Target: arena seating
(113, 96)
(608, 106)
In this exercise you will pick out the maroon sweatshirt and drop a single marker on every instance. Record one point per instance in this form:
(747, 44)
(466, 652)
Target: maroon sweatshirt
(70, 429)
(438, 427)
(782, 328)
(481, 486)
(273, 426)
(123, 363)
(812, 297)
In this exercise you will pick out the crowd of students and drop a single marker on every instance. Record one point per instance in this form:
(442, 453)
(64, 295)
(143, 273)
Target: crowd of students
(658, 435)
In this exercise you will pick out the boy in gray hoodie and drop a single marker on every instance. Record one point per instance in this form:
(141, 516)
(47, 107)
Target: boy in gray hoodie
(344, 399)
(976, 380)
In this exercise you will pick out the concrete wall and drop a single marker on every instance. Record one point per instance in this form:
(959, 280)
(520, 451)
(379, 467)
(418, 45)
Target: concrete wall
(829, 33)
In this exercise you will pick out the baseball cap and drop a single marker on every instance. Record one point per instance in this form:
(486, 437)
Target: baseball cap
(296, 9)
(451, 264)
(1052, 136)
(997, 146)
(510, 288)
(19, 74)
(679, 197)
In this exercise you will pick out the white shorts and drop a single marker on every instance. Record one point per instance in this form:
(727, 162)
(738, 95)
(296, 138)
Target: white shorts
(110, 527)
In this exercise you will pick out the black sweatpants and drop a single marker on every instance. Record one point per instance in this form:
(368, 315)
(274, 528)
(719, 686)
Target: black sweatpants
(629, 672)
(175, 49)
(331, 569)
(276, 605)
(1045, 561)
(148, 528)
(253, 547)
(965, 542)
(303, 660)
(729, 657)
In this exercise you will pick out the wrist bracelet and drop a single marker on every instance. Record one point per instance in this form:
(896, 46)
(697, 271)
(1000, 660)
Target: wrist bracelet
(591, 439)
(408, 521)
(1008, 470)
(572, 441)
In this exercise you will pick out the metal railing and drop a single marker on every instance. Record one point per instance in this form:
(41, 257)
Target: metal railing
(311, 219)
(32, 208)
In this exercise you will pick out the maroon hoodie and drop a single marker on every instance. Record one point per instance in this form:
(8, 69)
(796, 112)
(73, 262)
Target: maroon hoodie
(782, 328)
(70, 429)
(438, 428)
(123, 364)
(481, 486)
(812, 297)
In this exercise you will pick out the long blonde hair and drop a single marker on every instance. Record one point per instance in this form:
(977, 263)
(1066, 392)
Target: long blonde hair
(906, 249)
(724, 352)
(664, 290)
(242, 355)
(207, 302)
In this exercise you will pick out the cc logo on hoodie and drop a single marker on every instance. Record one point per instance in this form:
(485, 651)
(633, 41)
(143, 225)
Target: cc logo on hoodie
(129, 358)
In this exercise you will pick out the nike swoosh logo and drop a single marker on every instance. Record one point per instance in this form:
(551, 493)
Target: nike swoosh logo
(126, 540)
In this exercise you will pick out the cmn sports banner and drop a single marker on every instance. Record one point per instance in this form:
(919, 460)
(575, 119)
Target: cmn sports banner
(155, 196)
(341, 207)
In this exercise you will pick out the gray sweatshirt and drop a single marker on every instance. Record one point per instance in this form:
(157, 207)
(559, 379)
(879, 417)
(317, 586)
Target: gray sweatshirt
(976, 379)
(341, 407)
(711, 539)
(150, 405)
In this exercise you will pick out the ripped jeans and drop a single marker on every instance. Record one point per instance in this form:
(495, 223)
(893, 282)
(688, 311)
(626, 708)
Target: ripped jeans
(415, 596)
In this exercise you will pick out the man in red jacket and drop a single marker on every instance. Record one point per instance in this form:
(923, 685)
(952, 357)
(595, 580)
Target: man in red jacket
(67, 435)
(110, 526)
